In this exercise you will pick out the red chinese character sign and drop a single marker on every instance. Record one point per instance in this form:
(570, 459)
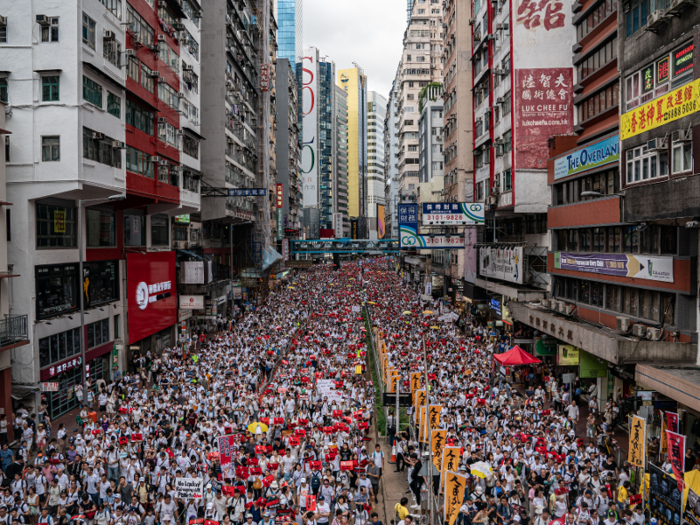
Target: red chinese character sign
(548, 14)
(544, 107)
(264, 77)
(676, 456)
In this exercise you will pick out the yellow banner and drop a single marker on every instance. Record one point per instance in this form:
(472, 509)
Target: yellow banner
(664, 443)
(438, 439)
(454, 495)
(415, 381)
(421, 425)
(450, 463)
(667, 108)
(637, 441)
(419, 400)
(358, 370)
(435, 415)
(393, 380)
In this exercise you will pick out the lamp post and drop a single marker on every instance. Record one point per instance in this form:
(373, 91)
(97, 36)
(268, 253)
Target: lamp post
(83, 364)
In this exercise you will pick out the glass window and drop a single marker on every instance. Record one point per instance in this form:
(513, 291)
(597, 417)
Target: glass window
(669, 242)
(98, 333)
(56, 290)
(50, 149)
(139, 162)
(159, 230)
(102, 282)
(92, 92)
(682, 156)
(147, 80)
(88, 31)
(3, 89)
(50, 88)
(55, 224)
(134, 228)
(100, 148)
(114, 7)
(132, 69)
(58, 347)
(140, 118)
(100, 228)
(114, 105)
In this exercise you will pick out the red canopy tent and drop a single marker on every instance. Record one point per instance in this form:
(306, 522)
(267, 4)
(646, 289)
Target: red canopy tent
(514, 357)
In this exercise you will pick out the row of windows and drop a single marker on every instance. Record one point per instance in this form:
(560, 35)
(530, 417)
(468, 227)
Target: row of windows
(599, 58)
(656, 240)
(604, 183)
(139, 117)
(141, 74)
(600, 13)
(644, 164)
(655, 306)
(600, 102)
(100, 148)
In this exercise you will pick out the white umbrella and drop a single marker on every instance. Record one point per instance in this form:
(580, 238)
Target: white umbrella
(481, 469)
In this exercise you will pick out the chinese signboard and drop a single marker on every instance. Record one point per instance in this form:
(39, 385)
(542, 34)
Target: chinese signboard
(438, 441)
(454, 496)
(285, 249)
(247, 192)
(637, 267)
(683, 60)
(504, 263)
(544, 99)
(453, 213)
(49, 387)
(676, 456)
(59, 221)
(637, 448)
(568, 355)
(54, 370)
(353, 229)
(598, 154)
(309, 152)
(381, 222)
(183, 219)
(264, 77)
(280, 195)
(409, 238)
(450, 463)
(470, 254)
(191, 302)
(667, 108)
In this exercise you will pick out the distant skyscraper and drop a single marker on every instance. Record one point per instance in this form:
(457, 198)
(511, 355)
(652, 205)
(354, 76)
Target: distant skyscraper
(409, 10)
(290, 30)
(376, 111)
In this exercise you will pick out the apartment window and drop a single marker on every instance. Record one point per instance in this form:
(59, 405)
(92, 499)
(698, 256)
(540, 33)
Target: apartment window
(112, 51)
(92, 92)
(3, 90)
(98, 333)
(114, 105)
(598, 103)
(139, 28)
(102, 281)
(59, 347)
(167, 55)
(190, 146)
(506, 106)
(114, 7)
(100, 148)
(88, 31)
(190, 43)
(159, 230)
(117, 326)
(682, 157)
(140, 118)
(139, 162)
(169, 95)
(507, 180)
(597, 59)
(49, 33)
(3, 34)
(132, 69)
(55, 224)
(134, 228)
(50, 88)
(598, 15)
(166, 14)
(643, 164)
(100, 228)
(147, 80)
(50, 149)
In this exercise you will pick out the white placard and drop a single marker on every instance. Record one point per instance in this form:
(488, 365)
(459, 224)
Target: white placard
(191, 302)
(189, 488)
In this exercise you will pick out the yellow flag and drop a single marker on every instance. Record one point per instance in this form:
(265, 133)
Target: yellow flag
(450, 463)
(454, 495)
(637, 441)
(435, 411)
(415, 381)
(438, 439)
(664, 443)
(419, 400)
(422, 425)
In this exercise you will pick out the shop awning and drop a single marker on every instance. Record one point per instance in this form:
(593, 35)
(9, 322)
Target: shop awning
(514, 357)
(191, 254)
(19, 392)
(681, 384)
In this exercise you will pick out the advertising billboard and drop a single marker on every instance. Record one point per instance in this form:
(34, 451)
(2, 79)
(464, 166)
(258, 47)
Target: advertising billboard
(453, 213)
(192, 272)
(542, 83)
(191, 302)
(599, 154)
(504, 263)
(309, 154)
(470, 255)
(151, 289)
(635, 266)
(381, 222)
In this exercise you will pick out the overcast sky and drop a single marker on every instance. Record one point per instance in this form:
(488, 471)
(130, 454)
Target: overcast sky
(368, 32)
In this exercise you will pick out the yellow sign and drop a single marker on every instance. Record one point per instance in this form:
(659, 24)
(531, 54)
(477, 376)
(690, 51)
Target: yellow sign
(415, 381)
(438, 439)
(454, 496)
(435, 411)
(637, 441)
(358, 370)
(419, 399)
(422, 425)
(450, 463)
(393, 380)
(664, 443)
(667, 108)
(59, 221)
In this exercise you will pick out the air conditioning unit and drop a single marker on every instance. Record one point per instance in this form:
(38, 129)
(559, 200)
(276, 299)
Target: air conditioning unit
(654, 334)
(129, 53)
(181, 94)
(472, 21)
(492, 200)
(658, 144)
(155, 158)
(502, 27)
(500, 100)
(179, 26)
(162, 120)
(180, 245)
(639, 330)
(97, 135)
(623, 324)
(682, 135)
(155, 74)
(161, 38)
(108, 35)
(187, 67)
(175, 169)
(655, 20)
(3, 21)
(117, 144)
(568, 309)
(678, 5)
(43, 20)
(490, 37)
(164, 163)
(477, 37)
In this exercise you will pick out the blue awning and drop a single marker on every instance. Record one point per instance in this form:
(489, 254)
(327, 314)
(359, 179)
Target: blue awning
(191, 254)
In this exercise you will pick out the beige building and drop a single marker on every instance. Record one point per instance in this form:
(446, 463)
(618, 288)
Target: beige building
(420, 65)
(458, 108)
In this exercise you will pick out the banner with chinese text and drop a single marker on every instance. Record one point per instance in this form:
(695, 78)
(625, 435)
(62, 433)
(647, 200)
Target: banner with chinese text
(454, 496)
(676, 456)
(637, 441)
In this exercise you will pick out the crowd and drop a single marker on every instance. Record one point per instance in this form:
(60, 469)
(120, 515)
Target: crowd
(271, 417)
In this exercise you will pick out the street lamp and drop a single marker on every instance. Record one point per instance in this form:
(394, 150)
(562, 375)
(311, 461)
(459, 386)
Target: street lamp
(83, 364)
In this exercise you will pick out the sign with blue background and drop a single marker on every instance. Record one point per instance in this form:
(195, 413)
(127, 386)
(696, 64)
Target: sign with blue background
(598, 154)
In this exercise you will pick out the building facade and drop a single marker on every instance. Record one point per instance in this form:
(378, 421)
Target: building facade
(376, 113)
(341, 223)
(391, 160)
(290, 33)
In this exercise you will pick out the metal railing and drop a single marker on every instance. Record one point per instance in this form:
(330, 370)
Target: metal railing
(13, 329)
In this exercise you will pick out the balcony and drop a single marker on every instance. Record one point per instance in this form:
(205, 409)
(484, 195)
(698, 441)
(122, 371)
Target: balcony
(14, 329)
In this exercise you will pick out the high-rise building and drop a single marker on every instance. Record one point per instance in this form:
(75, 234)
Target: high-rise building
(354, 82)
(290, 30)
(326, 141)
(391, 160)
(376, 113)
(340, 191)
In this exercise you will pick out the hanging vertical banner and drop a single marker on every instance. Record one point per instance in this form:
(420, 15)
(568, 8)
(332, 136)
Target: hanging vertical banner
(450, 463)
(676, 456)
(309, 152)
(454, 496)
(264, 77)
(415, 381)
(672, 421)
(422, 425)
(664, 443)
(438, 438)
(665, 501)
(419, 399)
(637, 441)
(435, 411)
(227, 449)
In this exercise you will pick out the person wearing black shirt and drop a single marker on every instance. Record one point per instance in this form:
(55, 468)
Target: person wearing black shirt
(416, 480)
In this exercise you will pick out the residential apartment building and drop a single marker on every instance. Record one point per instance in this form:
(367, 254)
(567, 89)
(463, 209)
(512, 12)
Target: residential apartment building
(354, 82)
(376, 113)
(391, 160)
